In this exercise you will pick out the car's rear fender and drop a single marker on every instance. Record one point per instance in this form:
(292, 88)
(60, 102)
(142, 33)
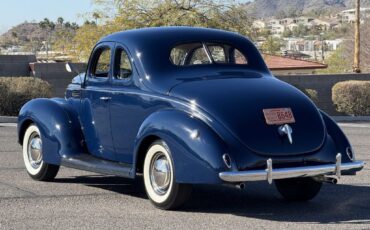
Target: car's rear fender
(196, 150)
(58, 123)
(339, 138)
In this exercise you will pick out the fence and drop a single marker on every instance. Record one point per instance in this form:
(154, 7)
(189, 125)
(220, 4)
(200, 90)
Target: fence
(15, 65)
(59, 78)
(323, 85)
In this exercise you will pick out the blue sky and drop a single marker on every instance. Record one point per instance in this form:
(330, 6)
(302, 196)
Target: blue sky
(13, 12)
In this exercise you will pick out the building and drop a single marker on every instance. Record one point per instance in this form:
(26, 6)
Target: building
(319, 25)
(317, 49)
(292, 26)
(287, 21)
(303, 20)
(288, 66)
(349, 16)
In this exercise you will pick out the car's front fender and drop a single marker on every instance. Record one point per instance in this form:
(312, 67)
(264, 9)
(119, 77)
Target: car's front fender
(58, 123)
(196, 150)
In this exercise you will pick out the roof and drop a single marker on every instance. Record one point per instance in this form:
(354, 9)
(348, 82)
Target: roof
(171, 34)
(151, 47)
(275, 62)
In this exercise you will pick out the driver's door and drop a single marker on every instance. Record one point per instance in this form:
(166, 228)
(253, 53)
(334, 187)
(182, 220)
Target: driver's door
(95, 103)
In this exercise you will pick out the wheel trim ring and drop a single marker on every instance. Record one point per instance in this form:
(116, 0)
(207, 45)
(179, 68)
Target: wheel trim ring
(34, 150)
(149, 189)
(160, 173)
(32, 129)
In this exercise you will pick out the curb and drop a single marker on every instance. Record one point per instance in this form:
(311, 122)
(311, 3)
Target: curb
(350, 118)
(8, 119)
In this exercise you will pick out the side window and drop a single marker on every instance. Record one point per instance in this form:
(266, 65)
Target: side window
(102, 65)
(239, 58)
(123, 68)
(217, 53)
(199, 57)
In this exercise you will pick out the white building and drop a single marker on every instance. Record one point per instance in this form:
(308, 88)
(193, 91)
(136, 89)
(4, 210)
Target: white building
(292, 26)
(317, 49)
(349, 16)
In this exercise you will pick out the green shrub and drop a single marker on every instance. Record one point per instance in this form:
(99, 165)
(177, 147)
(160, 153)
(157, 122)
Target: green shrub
(311, 93)
(352, 97)
(16, 91)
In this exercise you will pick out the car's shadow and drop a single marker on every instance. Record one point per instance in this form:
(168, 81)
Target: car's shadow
(335, 203)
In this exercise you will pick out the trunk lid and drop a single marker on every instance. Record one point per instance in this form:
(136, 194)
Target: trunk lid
(238, 104)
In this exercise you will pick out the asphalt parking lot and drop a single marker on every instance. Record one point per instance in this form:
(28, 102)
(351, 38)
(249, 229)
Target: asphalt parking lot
(84, 200)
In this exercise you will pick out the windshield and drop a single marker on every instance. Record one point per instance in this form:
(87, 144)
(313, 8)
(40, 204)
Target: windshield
(206, 53)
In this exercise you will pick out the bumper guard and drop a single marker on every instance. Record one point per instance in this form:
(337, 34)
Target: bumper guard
(271, 174)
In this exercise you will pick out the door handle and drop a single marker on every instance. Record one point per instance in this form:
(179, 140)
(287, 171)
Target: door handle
(105, 98)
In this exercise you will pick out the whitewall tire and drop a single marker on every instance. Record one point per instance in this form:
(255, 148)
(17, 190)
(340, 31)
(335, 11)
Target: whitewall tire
(33, 156)
(159, 178)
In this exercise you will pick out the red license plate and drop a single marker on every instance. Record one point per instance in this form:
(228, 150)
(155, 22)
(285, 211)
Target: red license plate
(278, 116)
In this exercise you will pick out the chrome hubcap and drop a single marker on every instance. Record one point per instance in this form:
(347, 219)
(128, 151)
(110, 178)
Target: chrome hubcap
(160, 173)
(35, 151)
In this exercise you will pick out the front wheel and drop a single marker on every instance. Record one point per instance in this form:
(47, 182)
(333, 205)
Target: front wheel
(159, 178)
(298, 189)
(36, 168)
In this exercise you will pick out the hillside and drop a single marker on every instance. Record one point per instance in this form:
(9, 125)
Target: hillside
(268, 8)
(23, 34)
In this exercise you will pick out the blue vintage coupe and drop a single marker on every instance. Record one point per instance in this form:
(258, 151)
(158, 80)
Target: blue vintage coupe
(184, 106)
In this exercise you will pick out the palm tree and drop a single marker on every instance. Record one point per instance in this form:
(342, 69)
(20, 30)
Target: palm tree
(96, 16)
(67, 25)
(15, 37)
(356, 60)
(60, 21)
(48, 26)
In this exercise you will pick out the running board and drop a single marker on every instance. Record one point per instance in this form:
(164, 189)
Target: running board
(90, 163)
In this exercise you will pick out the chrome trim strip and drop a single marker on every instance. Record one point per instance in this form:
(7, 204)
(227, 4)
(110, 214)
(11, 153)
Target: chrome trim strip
(283, 173)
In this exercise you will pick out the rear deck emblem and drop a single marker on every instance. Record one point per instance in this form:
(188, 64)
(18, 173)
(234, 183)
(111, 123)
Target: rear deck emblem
(286, 130)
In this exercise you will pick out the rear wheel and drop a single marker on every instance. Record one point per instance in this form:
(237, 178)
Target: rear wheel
(33, 156)
(159, 178)
(298, 189)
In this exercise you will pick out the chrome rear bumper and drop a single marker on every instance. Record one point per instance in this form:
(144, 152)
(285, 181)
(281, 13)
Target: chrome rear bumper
(270, 174)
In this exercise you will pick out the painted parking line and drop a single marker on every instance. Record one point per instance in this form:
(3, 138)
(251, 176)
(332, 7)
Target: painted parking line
(8, 124)
(354, 125)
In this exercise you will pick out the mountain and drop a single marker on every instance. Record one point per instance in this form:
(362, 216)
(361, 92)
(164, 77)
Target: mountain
(23, 33)
(269, 8)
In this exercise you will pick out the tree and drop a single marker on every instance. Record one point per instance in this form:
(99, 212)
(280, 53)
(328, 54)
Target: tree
(47, 26)
(287, 33)
(337, 63)
(130, 14)
(96, 16)
(15, 37)
(60, 21)
(272, 45)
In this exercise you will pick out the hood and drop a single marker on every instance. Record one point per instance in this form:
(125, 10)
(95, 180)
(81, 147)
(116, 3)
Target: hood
(238, 103)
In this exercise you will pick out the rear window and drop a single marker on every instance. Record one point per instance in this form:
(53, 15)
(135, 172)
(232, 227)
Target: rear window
(206, 53)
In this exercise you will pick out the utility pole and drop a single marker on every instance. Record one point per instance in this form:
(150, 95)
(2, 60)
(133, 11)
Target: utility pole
(356, 60)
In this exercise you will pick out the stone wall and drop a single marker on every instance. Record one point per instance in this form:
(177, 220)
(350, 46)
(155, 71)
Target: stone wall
(15, 65)
(323, 85)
